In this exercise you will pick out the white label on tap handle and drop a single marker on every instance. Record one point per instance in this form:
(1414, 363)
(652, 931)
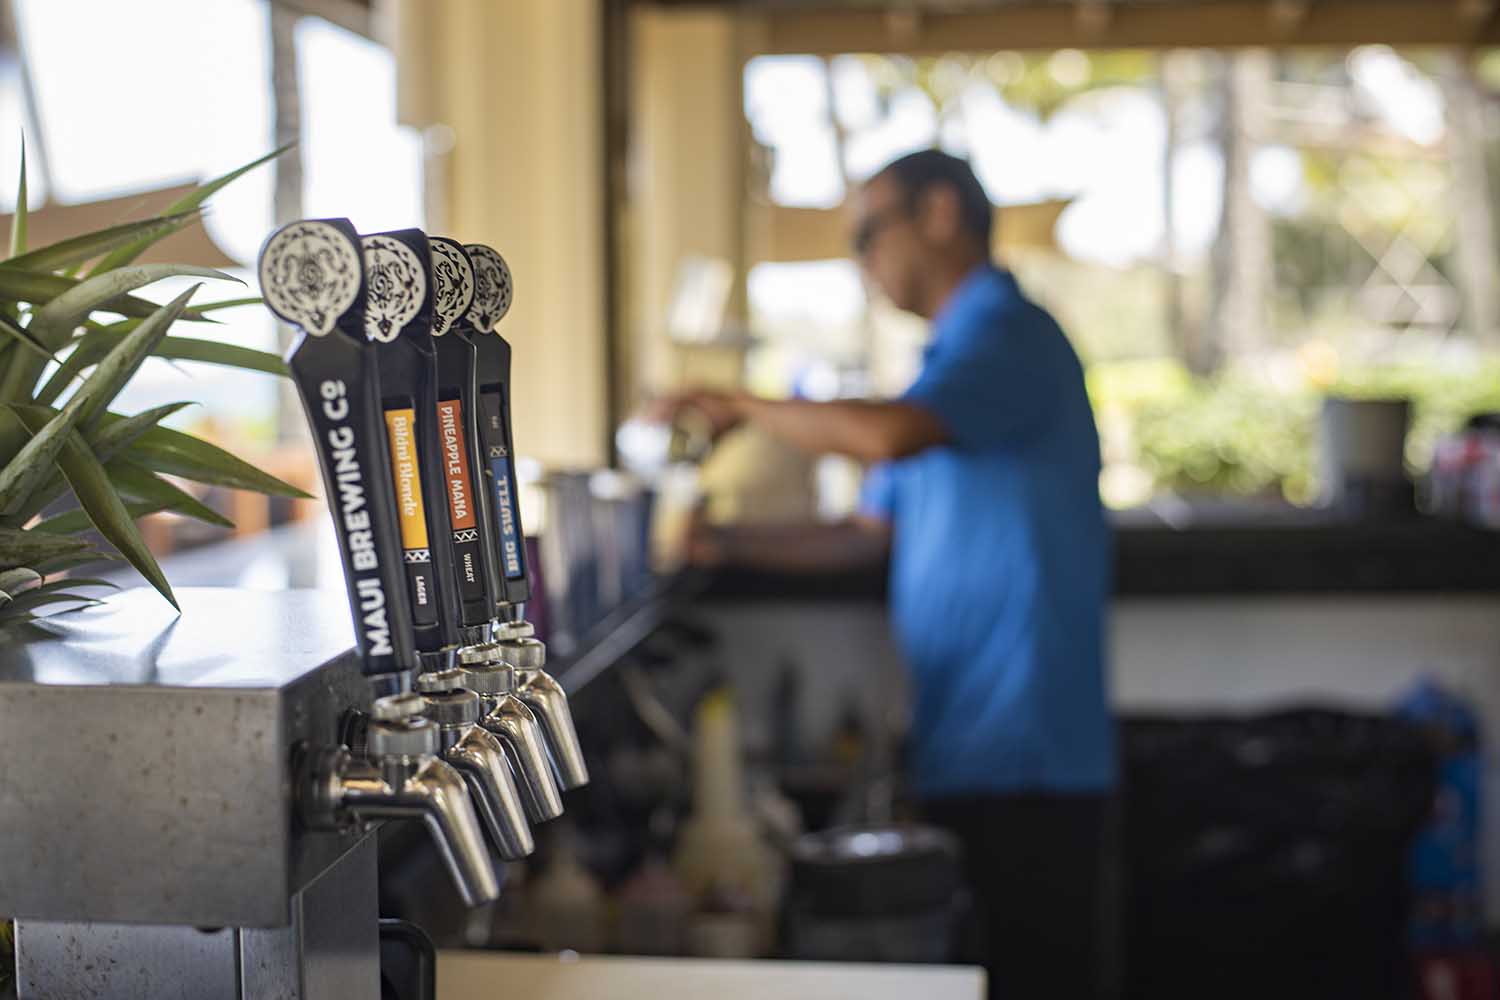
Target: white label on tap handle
(452, 283)
(310, 275)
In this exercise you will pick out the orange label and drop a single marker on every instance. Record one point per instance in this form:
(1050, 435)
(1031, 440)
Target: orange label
(456, 464)
(402, 433)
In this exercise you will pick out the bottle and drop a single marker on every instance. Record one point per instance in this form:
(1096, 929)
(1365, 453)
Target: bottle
(732, 875)
(567, 906)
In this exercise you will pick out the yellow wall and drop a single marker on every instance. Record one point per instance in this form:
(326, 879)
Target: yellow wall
(687, 179)
(518, 84)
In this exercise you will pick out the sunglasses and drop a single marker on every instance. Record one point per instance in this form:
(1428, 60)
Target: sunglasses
(871, 226)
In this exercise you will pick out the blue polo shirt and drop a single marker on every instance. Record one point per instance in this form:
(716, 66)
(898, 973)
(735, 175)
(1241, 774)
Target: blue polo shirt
(1001, 556)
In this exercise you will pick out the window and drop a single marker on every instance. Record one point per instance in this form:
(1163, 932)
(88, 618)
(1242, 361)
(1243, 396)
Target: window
(1239, 233)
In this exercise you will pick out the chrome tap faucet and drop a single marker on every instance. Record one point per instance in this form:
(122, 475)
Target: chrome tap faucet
(514, 725)
(547, 700)
(479, 756)
(401, 777)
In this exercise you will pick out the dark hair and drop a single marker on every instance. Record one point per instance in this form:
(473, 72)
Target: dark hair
(920, 171)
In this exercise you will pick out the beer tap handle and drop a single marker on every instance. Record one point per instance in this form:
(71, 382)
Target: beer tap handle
(399, 318)
(312, 277)
(468, 501)
(491, 302)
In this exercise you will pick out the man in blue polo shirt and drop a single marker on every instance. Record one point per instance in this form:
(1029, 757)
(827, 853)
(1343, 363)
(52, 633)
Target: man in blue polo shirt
(983, 488)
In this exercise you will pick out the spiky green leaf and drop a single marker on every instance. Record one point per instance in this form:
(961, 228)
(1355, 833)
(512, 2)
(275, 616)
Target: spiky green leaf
(36, 599)
(79, 249)
(93, 344)
(108, 438)
(79, 581)
(13, 581)
(39, 289)
(106, 511)
(53, 324)
(214, 353)
(250, 300)
(23, 340)
(67, 587)
(72, 521)
(62, 563)
(139, 483)
(28, 548)
(28, 468)
(192, 200)
(117, 367)
(174, 453)
(13, 435)
(115, 433)
(18, 221)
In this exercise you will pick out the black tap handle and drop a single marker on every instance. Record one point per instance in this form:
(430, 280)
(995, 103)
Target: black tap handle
(398, 326)
(468, 507)
(491, 302)
(312, 277)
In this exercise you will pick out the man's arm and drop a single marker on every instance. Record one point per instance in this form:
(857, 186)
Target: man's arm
(857, 543)
(866, 431)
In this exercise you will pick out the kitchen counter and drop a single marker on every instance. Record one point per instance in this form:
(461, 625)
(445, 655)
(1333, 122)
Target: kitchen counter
(477, 975)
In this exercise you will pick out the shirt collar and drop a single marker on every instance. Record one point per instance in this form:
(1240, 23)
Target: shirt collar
(969, 291)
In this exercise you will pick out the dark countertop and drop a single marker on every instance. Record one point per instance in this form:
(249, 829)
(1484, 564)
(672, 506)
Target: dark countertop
(1280, 551)
(1416, 556)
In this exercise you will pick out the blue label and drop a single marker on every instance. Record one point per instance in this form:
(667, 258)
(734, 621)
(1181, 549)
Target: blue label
(505, 512)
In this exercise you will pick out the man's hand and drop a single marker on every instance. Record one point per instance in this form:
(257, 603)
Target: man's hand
(816, 547)
(866, 431)
(722, 411)
(707, 546)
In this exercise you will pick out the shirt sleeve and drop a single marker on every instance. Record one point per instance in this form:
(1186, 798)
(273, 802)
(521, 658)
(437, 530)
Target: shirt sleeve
(877, 494)
(993, 380)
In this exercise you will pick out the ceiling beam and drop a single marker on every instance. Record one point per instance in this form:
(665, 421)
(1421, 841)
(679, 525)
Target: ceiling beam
(1219, 24)
(352, 15)
(1476, 11)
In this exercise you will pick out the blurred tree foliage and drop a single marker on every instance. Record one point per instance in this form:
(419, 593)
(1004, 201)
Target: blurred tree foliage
(1227, 433)
(1038, 82)
(1243, 433)
(1369, 230)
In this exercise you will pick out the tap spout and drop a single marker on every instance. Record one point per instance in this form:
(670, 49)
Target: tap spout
(517, 729)
(479, 756)
(344, 788)
(549, 703)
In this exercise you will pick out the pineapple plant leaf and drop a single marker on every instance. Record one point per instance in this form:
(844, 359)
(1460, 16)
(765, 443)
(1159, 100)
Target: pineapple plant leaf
(76, 324)
(76, 250)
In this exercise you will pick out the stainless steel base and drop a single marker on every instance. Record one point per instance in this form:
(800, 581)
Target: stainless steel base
(329, 951)
(148, 759)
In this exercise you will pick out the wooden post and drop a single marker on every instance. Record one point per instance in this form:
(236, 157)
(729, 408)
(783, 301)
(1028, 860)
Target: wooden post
(1473, 201)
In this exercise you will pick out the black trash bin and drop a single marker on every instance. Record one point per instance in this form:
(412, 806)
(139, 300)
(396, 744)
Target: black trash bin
(1265, 856)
